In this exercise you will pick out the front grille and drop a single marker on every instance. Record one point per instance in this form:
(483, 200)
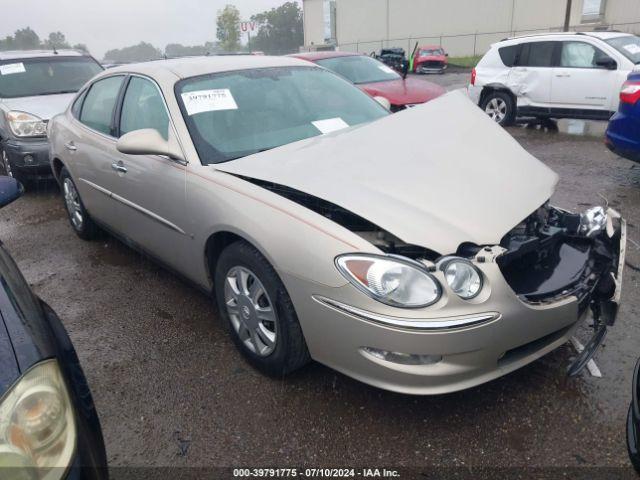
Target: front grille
(432, 64)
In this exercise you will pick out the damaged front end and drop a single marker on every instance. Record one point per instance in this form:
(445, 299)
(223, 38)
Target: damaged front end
(554, 254)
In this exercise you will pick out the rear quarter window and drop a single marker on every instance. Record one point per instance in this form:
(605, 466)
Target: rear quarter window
(508, 54)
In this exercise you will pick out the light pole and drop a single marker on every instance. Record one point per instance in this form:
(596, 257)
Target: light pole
(567, 16)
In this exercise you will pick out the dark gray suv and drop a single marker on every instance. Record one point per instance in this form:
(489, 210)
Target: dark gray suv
(35, 85)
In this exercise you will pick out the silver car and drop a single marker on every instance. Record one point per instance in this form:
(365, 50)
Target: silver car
(419, 260)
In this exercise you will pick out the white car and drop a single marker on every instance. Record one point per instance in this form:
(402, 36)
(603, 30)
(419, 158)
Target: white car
(559, 75)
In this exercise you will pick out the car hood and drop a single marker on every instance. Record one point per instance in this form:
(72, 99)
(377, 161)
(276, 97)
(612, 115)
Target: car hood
(466, 180)
(43, 106)
(402, 92)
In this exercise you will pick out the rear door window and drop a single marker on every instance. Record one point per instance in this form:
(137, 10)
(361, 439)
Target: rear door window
(537, 54)
(99, 103)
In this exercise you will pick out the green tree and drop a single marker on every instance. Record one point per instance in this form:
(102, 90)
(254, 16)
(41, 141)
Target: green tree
(55, 40)
(280, 30)
(228, 32)
(174, 50)
(25, 39)
(135, 53)
(82, 47)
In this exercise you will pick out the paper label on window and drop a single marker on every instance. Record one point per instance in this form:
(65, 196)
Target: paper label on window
(11, 68)
(632, 48)
(209, 101)
(330, 125)
(385, 69)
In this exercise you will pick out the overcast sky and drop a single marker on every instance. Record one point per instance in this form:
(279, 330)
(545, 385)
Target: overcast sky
(106, 24)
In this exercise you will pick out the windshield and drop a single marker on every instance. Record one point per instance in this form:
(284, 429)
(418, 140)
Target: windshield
(360, 69)
(431, 53)
(45, 76)
(629, 46)
(233, 114)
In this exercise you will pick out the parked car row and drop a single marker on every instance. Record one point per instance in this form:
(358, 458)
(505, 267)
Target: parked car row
(178, 158)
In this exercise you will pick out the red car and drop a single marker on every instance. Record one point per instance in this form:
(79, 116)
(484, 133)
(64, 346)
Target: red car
(376, 78)
(430, 59)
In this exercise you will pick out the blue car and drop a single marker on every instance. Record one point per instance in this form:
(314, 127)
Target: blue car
(633, 422)
(623, 133)
(49, 428)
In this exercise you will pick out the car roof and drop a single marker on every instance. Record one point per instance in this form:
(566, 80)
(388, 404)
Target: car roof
(604, 35)
(430, 47)
(18, 54)
(313, 56)
(193, 66)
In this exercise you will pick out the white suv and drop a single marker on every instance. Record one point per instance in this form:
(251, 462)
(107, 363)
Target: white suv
(556, 75)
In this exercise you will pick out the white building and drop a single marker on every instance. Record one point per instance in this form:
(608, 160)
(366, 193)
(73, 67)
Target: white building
(462, 27)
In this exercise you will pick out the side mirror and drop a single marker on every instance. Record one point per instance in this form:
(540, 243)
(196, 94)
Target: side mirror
(446, 54)
(10, 190)
(384, 102)
(148, 141)
(607, 62)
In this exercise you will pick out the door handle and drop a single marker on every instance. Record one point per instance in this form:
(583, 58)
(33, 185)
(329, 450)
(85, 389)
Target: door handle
(119, 167)
(70, 146)
(563, 75)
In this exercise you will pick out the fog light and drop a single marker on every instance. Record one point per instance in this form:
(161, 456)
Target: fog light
(401, 358)
(28, 159)
(593, 221)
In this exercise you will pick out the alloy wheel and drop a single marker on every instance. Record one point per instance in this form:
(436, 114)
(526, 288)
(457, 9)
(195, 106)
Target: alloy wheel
(251, 311)
(72, 202)
(496, 109)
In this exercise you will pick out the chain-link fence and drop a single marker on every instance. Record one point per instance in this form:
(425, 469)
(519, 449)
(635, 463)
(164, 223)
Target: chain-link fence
(471, 44)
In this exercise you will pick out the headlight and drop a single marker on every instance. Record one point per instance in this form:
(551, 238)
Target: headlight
(393, 281)
(37, 428)
(26, 125)
(462, 276)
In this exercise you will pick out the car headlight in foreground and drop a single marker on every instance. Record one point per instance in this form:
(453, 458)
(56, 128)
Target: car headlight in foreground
(462, 276)
(390, 280)
(37, 428)
(24, 124)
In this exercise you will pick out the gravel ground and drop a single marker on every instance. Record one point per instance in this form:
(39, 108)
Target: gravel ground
(171, 389)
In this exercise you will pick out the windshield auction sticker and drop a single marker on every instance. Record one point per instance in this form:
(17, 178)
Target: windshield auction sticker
(11, 68)
(209, 101)
(632, 48)
(330, 125)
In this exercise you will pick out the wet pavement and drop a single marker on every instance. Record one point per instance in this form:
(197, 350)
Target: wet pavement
(171, 389)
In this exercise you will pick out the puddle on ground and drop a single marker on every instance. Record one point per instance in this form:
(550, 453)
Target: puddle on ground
(569, 126)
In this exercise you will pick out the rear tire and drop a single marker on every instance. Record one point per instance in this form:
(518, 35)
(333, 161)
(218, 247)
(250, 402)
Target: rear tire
(500, 106)
(255, 305)
(79, 218)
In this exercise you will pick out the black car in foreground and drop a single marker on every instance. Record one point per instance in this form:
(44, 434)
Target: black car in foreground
(49, 428)
(633, 421)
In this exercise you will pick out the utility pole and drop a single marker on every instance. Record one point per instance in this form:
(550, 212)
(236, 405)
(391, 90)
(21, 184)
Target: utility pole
(567, 16)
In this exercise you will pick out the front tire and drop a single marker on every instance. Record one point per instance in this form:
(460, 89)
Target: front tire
(258, 310)
(500, 107)
(7, 168)
(632, 441)
(79, 218)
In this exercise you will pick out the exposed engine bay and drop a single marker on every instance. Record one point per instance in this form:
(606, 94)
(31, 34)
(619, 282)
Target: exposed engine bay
(554, 253)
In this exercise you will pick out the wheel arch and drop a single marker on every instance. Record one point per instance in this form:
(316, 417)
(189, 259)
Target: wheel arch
(56, 167)
(221, 239)
(495, 87)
